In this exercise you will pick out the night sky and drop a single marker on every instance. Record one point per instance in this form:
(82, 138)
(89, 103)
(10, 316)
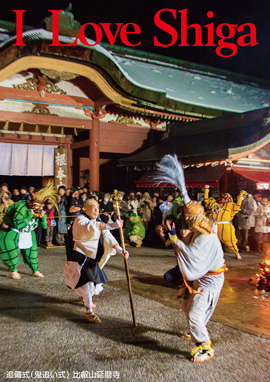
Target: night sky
(252, 61)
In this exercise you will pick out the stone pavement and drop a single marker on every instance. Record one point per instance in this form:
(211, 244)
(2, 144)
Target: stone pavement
(44, 338)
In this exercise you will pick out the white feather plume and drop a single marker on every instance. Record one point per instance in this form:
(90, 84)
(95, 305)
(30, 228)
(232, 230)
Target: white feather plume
(170, 170)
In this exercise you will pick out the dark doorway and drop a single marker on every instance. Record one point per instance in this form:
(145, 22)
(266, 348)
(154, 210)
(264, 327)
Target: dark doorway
(18, 181)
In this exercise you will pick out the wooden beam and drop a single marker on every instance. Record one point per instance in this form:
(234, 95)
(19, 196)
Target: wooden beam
(81, 144)
(33, 96)
(40, 119)
(34, 139)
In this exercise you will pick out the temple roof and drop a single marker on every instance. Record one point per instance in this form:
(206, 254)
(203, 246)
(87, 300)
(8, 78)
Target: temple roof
(154, 81)
(222, 138)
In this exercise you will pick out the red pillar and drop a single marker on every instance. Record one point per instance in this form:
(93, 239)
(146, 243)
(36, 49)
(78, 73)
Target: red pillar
(94, 154)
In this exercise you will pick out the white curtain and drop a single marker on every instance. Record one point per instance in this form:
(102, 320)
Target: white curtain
(5, 154)
(34, 163)
(26, 160)
(48, 160)
(18, 160)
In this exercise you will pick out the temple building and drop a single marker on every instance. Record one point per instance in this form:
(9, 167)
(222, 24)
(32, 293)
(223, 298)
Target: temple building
(72, 112)
(229, 153)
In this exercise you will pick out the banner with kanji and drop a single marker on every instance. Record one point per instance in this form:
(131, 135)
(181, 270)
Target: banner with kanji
(60, 167)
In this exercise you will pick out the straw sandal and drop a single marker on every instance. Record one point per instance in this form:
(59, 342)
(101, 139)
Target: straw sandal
(92, 317)
(15, 275)
(38, 274)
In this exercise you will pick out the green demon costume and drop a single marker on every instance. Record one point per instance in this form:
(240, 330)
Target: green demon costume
(21, 224)
(17, 231)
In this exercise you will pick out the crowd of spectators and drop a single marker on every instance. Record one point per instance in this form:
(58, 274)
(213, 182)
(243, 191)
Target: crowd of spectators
(142, 214)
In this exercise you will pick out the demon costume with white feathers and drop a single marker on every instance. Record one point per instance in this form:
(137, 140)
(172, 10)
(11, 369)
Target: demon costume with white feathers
(92, 247)
(200, 260)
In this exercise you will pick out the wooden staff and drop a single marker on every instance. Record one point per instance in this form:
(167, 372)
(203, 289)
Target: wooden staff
(116, 198)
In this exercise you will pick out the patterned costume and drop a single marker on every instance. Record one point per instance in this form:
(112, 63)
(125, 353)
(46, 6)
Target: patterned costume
(222, 214)
(17, 232)
(20, 220)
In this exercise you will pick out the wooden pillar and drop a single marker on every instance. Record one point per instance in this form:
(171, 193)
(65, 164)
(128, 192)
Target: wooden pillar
(94, 154)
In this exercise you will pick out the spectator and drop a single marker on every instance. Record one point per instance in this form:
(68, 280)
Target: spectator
(76, 206)
(157, 214)
(262, 223)
(258, 197)
(68, 193)
(51, 223)
(5, 203)
(24, 194)
(246, 220)
(15, 195)
(106, 208)
(84, 197)
(176, 207)
(62, 220)
(166, 206)
(138, 195)
(31, 190)
(133, 203)
(146, 207)
(4, 187)
(134, 231)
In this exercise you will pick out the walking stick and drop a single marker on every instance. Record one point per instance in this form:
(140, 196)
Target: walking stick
(117, 198)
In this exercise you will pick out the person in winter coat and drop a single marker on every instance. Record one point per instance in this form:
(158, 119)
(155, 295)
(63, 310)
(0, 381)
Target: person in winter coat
(106, 208)
(51, 223)
(176, 209)
(262, 223)
(132, 203)
(166, 207)
(146, 206)
(24, 194)
(246, 220)
(61, 230)
(134, 231)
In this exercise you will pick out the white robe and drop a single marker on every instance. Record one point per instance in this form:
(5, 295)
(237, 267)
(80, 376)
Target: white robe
(195, 260)
(86, 235)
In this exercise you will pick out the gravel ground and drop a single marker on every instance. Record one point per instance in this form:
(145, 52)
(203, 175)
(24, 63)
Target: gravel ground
(42, 331)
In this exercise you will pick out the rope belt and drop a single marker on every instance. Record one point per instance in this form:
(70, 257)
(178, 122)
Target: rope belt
(222, 223)
(217, 271)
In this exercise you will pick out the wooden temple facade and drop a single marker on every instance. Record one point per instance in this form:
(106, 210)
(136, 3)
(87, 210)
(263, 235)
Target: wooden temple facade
(228, 153)
(99, 104)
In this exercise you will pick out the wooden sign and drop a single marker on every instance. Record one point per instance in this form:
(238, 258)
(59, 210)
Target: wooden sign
(60, 167)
